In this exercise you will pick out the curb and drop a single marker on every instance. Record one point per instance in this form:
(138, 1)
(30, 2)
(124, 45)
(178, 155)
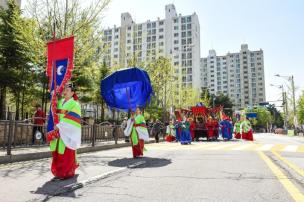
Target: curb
(41, 155)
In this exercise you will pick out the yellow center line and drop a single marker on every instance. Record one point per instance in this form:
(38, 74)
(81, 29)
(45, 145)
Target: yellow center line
(289, 186)
(278, 147)
(290, 164)
(301, 148)
(254, 146)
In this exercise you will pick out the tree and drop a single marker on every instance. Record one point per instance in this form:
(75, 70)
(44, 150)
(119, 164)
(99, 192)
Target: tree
(276, 116)
(224, 101)
(103, 72)
(205, 97)
(63, 18)
(162, 78)
(19, 50)
(301, 108)
(263, 116)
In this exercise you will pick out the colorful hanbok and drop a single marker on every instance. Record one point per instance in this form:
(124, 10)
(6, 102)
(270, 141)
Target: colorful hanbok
(170, 133)
(63, 143)
(185, 135)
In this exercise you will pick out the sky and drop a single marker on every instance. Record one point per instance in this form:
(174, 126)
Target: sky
(275, 26)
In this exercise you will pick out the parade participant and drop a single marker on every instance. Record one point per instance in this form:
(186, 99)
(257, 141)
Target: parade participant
(170, 131)
(216, 126)
(66, 137)
(237, 129)
(156, 130)
(185, 135)
(246, 130)
(192, 128)
(226, 128)
(139, 133)
(178, 130)
(210, 128)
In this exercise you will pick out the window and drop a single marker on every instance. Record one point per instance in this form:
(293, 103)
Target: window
(161, 30)
(175, 34)
(153, 24)
(189, 41)
(189, 34)
(161, 36)
(189, 26)
(175, 27)
(183, 27)
(176, 63)
(161, 43)
(183, 20)
(175, 20)
(161, 22)
(175, 41)
(189, 63)
(183, 34)
(149, 25)
(153, 31)
(129, 28)
(189, 19)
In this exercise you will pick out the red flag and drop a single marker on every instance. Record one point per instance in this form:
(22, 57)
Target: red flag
(59, 70)
(60, 50)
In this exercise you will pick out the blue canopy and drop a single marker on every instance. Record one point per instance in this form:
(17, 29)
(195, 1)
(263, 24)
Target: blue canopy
(127, 89)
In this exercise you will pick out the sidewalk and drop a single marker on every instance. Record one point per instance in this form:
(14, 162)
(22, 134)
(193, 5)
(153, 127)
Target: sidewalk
(39, 152)
(31, 180)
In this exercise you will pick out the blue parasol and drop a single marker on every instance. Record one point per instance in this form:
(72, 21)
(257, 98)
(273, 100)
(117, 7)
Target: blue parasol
(127, 89)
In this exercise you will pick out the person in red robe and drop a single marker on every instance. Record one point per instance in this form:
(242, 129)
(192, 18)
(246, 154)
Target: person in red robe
(192, 128)
(215, 124)
(210, 128)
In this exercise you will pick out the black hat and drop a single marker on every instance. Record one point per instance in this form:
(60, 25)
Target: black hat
(72, 86)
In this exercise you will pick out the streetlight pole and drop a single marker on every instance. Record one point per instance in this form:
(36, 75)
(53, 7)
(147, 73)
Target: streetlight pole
(290, 78)
(285, 110)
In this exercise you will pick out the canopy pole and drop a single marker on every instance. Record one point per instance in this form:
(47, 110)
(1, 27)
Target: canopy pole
(129, 111)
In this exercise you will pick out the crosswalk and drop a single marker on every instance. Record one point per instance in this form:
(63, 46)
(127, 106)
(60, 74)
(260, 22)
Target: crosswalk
(228, 146)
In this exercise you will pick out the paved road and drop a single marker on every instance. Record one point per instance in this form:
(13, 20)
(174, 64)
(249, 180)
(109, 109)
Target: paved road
(268, 169)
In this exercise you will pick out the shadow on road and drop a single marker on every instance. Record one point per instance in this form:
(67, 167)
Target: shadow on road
(56, 188)
(149, 162)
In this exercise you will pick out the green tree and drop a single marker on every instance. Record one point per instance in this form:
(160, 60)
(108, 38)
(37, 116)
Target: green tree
(224, 101)
(205, 97)
(301, 108)
(162, 78)
(263, 116)
(63, 18)
(276, 116)
(19, 51)
(103, 72)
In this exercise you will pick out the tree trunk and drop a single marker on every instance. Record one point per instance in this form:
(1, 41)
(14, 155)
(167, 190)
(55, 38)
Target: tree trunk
(2, 102)
(17, 106)
(22, 105)
(102, 111)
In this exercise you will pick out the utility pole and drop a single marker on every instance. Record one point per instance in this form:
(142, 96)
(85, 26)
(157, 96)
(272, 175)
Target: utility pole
(294, 105)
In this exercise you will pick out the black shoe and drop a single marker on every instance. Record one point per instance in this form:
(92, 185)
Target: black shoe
(54, 179)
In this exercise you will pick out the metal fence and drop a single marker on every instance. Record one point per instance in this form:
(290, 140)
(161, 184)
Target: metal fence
(21, 134)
